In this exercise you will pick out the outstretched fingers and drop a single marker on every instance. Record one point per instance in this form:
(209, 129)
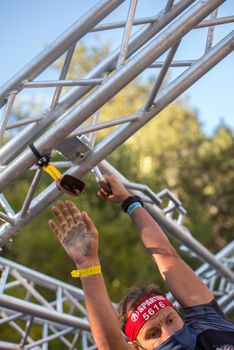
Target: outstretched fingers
(55, 229)
(74, 210)
(66, 212)
(89, 223)
(60, 218)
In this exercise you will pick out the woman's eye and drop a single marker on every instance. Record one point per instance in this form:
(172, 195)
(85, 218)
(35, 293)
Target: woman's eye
(170, 320)
(154, 334)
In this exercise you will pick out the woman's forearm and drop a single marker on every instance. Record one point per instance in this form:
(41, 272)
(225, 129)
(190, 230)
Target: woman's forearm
(101, 314)
(153, 238)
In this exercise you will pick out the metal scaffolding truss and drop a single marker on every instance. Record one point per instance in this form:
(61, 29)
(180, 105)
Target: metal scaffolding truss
(69, 124)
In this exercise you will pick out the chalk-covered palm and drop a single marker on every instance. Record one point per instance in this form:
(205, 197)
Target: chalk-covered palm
(76, 232)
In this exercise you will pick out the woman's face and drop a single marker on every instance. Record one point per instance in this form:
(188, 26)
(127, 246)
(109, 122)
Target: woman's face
(159, 328)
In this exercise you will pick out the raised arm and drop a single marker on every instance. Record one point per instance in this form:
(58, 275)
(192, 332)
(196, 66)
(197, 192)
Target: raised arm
(79, 237)
(180, 279)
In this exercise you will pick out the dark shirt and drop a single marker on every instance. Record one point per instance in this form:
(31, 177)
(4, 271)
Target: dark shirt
(212, 328)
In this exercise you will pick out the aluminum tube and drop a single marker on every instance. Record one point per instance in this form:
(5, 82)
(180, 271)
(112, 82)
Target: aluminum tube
(6, 114)
(31, 191)
(214, 22)
(23, 122)
(9, 346)
(104, 125)
(210, 34)
(3, 279)
(126, 34)
(226, 299)
(39, 311)
(122, 24)
(11, 318)
(173, 90)
(184, 63)
(226, 251)
(169, 5)
(161, 76)
(92, 134)
(55, 83)
(140, 38)
(63, 75)
(179, 233)
(148, 194)
(109, 88)
(229, 308)
(6, 206)
(6, 218)
(75, 302)
(25, 337)
(31, 290)
(60, 45)
(59, 300)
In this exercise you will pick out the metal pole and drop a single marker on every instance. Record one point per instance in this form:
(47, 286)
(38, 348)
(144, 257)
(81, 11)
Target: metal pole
(215, 22)
(39, 311)
(63, 75)
(3, 122)
(62, 83)
(210, 35)
(169, 5)
(104, 125)
(109, 88)
(6, 218)
(126, 34)
(6, 206)
(161, 76)
(31, 191)
(184, 63)
(9, 346)
(23, 122)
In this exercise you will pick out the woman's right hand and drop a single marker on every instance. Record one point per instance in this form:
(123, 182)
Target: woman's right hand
(118, 191)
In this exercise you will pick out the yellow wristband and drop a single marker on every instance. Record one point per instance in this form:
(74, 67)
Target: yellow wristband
(88, 271)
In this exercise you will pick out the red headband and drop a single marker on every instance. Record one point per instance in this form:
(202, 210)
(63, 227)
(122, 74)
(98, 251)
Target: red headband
(142, 312)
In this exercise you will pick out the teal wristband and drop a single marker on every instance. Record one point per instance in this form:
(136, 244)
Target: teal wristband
(132, 207)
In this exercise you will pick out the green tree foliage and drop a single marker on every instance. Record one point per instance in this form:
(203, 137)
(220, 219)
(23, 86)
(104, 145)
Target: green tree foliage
(170, 151)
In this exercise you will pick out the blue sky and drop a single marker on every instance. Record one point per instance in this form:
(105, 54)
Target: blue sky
(28, 26)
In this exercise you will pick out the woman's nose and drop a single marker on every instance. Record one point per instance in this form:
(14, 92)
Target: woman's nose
(167, 332)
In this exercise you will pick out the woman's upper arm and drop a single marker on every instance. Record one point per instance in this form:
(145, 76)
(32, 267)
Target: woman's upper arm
(186, 287)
